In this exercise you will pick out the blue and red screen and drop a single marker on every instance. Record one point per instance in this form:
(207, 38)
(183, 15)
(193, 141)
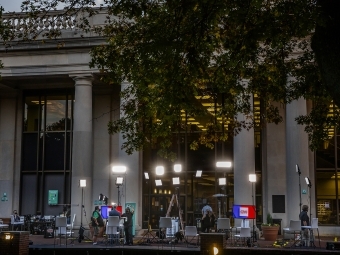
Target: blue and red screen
(244, 211)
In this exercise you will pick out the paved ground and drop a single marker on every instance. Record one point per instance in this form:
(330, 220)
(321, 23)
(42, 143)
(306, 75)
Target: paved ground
(149, 242)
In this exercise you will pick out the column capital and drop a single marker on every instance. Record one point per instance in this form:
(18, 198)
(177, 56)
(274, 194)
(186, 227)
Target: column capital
(82, 79)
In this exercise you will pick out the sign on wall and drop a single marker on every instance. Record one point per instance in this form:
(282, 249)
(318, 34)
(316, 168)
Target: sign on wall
(53, 197)
(132, 207)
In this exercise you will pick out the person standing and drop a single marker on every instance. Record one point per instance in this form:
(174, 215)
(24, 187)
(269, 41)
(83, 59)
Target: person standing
(114, 211)
(303, 216)
(97, 222)
(16, 218)
(206, 221)
(206, 208)
(212, 220)
(128, 226)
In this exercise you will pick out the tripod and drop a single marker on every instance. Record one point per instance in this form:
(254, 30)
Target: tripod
(174, 199)
(82, 236)
(148, 236)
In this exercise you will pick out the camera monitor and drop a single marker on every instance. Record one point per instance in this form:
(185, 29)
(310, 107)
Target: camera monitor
(105, 210)
(244, 211)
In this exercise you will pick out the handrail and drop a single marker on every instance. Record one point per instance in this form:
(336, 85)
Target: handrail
(52, 24)
(20, 21)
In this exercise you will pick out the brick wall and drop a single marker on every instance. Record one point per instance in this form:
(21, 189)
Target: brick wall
(211, 240)
(14, 242)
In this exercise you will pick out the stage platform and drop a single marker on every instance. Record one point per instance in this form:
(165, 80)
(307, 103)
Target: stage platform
(46, 246)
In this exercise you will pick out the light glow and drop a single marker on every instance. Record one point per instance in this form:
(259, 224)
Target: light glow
(158, 182)
(82, 183)
(119, 180)
(146, 175)
(223, 164)
(175, 181)
(252, 177)
(159, 170)
(222, 181)
(199, 173)
(177, 168)
(119, 169)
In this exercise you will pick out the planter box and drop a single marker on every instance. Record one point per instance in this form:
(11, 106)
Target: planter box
(270, 233)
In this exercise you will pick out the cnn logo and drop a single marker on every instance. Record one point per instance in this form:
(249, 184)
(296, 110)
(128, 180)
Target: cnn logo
(244, 211)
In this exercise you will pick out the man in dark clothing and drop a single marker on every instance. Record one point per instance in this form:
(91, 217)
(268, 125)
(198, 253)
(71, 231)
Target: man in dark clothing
(128, 226)
(114, 211)
(206, 221)
(304, 221)
(304, 216)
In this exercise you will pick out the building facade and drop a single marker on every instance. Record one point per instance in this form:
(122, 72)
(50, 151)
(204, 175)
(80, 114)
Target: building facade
(54, 112)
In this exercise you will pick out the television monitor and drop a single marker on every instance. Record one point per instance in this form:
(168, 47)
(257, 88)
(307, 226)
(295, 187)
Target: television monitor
(105, 210)
(244, 211)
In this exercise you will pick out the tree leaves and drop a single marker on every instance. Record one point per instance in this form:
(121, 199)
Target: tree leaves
(190, 61)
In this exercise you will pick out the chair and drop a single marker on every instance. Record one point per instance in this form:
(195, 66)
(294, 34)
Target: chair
(245, 223)
(112, 230)
(2, 225)
(61, 224)
(16, 223)
(223, 225)
(242, 224)
(164, 222)
(314, 225)
(295, 229)
(69, 231)
(191, 234)
(245, 232)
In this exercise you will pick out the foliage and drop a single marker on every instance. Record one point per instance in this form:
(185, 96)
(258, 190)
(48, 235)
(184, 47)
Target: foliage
(174, 55)
(269, 221)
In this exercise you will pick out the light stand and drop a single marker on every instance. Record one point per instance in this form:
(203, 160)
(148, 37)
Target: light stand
(148, 236)
(299, 172)
(308, 182)
(119, 182)
(221, 182)
(311, 238)
(82, 184)
(252, 179)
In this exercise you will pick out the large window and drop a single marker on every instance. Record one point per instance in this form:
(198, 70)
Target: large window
(328, 178)
(46, 149)
(194, 192)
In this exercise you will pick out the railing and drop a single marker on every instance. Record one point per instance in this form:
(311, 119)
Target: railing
(50, 21)
(52, 24)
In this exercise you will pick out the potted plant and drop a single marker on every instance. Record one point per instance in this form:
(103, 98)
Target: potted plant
(270, 230)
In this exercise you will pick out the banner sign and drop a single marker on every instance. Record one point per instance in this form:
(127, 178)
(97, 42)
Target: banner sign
(244, 211)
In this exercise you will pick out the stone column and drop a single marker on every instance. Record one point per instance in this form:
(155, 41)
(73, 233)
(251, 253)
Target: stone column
(244, 164)
(8, 183)
(132, 186)
(82, 149)
(274, 165)
(297, 153)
